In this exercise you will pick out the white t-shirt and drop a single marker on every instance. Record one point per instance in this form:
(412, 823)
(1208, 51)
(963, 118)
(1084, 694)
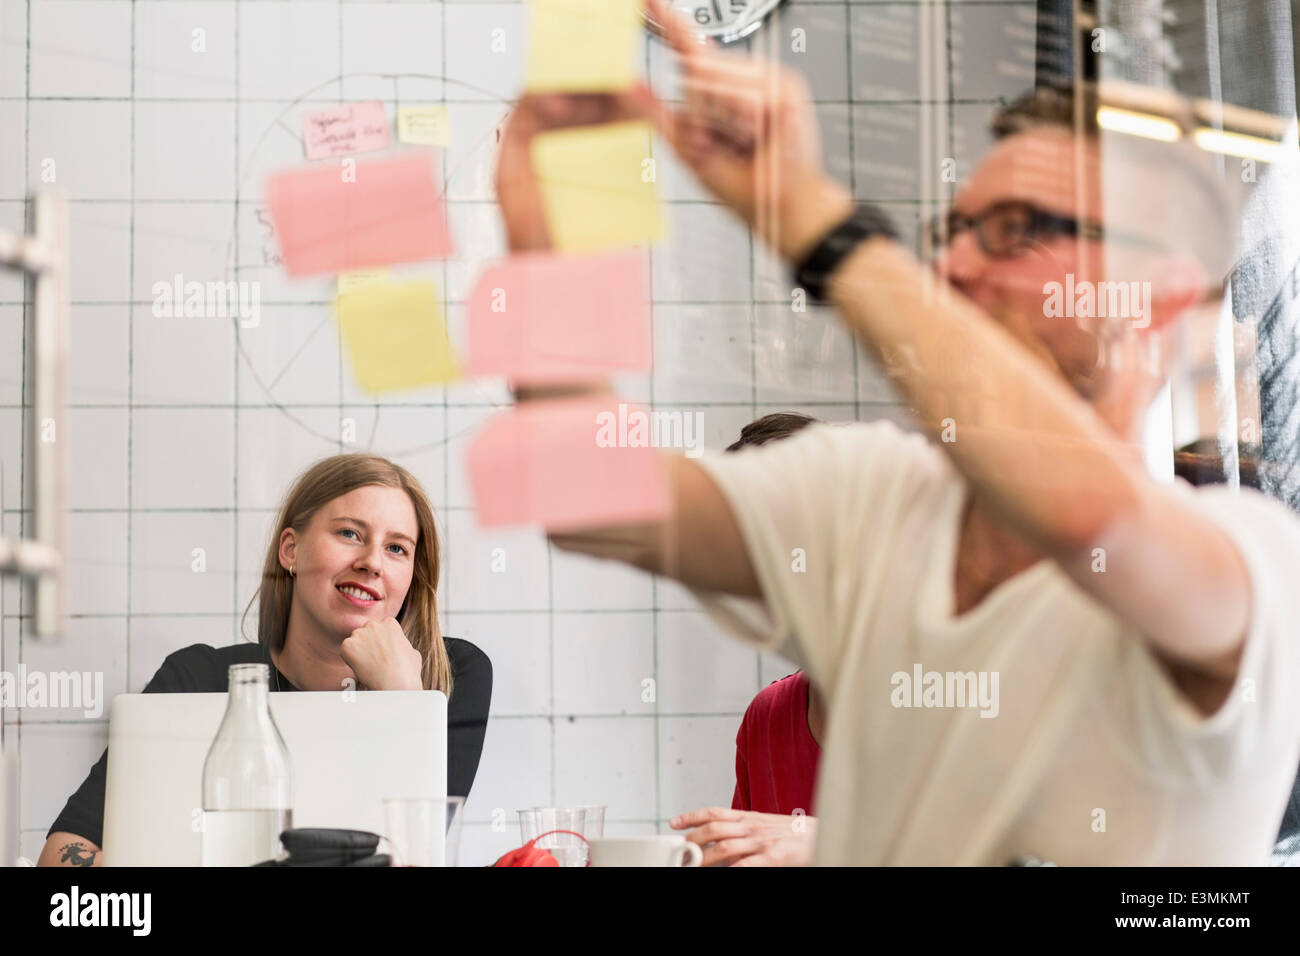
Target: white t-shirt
(1089, 754)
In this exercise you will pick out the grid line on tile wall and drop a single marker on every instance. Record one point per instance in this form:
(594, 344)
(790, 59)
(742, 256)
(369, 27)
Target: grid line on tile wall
(952, 110)
(515, 3)
(235, 451)
(338, 101)
(772, 55)
(26, 316)
(450, 101)
(853, 188)
(654, 580)
(130, 371)
(465, 612)
(289, 406)
(563, 715)
(446, 415)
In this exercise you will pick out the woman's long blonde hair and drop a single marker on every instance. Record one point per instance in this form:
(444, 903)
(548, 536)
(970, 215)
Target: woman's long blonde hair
(320, 484)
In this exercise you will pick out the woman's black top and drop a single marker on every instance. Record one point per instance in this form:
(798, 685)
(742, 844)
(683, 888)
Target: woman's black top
(201, 669)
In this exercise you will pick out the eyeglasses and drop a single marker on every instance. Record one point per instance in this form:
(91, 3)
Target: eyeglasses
(1008, 229)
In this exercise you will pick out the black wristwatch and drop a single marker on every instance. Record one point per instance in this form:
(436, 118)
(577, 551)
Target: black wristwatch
(864, 222)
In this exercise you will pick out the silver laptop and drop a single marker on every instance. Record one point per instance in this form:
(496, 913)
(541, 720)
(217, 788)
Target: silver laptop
(347, 756)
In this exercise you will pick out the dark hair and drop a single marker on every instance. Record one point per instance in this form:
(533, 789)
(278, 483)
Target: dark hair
(1200, 463)
(1048, 106)
(770, 428)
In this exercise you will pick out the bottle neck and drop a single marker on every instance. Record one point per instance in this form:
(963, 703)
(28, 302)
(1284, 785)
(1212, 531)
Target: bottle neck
(248, 691)
(248, 695)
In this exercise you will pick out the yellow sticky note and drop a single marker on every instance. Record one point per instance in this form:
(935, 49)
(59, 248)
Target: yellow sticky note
(424, 125)
(598, 186)
(395, 336)
(353, 280)
(583, 45)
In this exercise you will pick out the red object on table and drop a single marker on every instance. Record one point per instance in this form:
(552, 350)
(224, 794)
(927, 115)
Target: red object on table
(531, 855)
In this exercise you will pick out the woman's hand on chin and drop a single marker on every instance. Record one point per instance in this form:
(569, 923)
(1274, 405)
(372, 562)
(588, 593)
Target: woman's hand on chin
(382, 657)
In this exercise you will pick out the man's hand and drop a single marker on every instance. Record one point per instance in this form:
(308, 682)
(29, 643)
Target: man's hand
(381, 656)
(517, 192)
(748, 130)
(745, 838)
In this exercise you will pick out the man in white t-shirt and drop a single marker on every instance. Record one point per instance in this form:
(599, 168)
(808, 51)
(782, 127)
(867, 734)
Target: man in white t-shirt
(1028, 645)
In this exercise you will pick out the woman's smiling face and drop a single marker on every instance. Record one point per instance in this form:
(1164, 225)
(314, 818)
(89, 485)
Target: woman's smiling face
(354, 561)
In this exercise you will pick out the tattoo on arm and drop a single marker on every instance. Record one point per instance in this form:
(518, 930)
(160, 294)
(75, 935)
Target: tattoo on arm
(77, 854)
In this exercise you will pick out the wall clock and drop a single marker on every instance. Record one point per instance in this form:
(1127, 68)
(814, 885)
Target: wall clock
(724, 20)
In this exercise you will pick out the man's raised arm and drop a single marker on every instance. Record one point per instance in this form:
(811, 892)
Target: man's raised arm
(698, 544)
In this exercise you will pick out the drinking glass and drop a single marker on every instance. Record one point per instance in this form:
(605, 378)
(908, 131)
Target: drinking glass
(424, 832)
(568, 849)
(593, 821)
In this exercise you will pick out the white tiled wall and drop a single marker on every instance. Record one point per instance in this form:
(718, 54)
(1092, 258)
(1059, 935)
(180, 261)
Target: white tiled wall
(184, 433)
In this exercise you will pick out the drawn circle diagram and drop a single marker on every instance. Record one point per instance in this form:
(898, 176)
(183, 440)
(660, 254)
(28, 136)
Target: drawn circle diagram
(249, 189)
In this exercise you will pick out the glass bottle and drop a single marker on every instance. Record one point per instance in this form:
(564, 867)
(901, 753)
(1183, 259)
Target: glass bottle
(247, 780)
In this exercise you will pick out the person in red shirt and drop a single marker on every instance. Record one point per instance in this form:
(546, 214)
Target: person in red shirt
(778, 748)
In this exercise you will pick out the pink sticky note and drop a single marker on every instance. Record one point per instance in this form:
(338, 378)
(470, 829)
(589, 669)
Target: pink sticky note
(351, 128)
(550, 318)
(566, 465)
(355, 215)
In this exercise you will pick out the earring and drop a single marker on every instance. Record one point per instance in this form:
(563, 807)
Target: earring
(291, 571)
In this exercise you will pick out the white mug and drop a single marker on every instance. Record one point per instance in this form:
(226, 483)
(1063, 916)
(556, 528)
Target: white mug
(665, 850)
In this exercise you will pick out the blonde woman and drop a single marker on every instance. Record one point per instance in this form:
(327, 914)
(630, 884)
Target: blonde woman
(349, 592)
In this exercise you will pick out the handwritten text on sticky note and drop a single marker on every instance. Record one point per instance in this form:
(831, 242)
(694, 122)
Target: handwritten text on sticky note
(340, 130)
(542, 318)
(542, 463)
(583, 45)
(424, 125)
(354, 280)
(394, 335)
(359, 214)
(598, 186)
